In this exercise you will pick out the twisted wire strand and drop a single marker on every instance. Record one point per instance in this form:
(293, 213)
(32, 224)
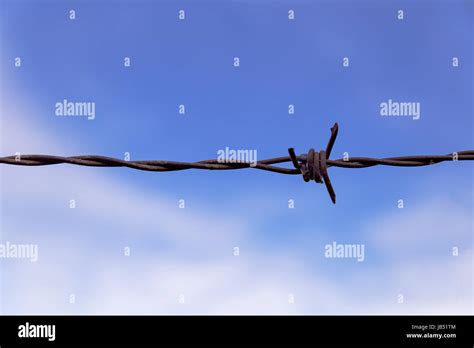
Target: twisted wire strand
(312, 166)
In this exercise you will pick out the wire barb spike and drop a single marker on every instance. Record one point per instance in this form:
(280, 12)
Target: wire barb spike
(314, 167)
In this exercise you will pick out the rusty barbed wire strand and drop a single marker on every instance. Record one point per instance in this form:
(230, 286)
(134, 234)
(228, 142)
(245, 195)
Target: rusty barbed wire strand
(312, 166)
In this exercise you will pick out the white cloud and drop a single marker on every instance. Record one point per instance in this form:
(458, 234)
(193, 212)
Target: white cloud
(430, 222)
(195, 257)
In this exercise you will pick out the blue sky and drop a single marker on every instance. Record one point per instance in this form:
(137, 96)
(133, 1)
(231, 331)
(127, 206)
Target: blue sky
(190, 62)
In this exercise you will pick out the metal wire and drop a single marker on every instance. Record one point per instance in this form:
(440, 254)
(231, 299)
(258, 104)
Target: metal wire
(312, 166)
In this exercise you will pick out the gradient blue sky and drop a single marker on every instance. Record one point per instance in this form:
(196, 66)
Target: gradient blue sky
(282, 62)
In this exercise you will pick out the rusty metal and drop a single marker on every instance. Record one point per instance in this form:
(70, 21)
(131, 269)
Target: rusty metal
(312, 166)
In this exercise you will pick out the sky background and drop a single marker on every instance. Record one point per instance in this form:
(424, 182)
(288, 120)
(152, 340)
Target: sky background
(189, 251)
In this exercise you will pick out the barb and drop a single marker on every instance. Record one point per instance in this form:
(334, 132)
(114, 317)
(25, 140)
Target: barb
(312, 166)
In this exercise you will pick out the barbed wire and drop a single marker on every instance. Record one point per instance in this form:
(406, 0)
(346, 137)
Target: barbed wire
(312, 166)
